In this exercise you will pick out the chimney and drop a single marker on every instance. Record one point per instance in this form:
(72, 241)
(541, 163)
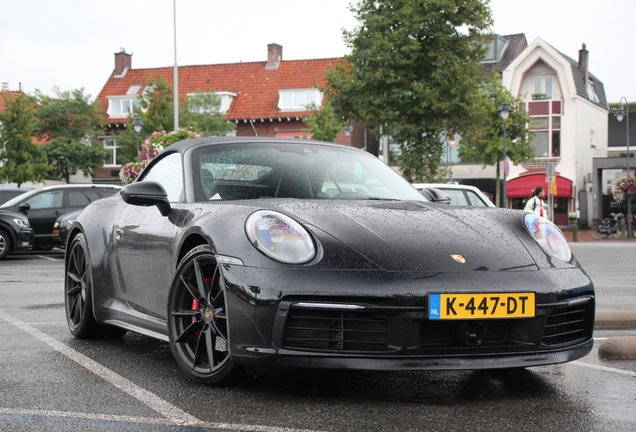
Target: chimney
(274, 56)
(583, 63)
(123, 62)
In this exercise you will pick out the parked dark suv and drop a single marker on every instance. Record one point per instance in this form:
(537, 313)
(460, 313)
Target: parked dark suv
(44, 206)
(15, 233)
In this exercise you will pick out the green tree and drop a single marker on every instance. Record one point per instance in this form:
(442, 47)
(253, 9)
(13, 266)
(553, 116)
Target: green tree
(203, 113)
(21, 160)
(156, 106)
(323, 122)
(69, 121)
(485, 143)
(413, 73)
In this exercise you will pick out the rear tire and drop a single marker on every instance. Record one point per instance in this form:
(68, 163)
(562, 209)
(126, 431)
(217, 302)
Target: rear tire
(78, 295)
(197, 319)
(596, 233)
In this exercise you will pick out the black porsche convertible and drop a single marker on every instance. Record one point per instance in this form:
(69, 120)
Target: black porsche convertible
(264, 254)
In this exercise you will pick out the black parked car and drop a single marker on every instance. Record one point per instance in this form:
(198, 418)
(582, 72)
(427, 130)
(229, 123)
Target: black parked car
(233, 250)
(44, 206)
(15, 233)
(7, 193)
(62, 226)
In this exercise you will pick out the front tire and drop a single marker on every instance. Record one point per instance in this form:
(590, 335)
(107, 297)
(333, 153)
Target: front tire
(197, 319)
(5, 244)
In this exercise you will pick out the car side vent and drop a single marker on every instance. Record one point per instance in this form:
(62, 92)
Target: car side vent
(569, 323)
(324, 330)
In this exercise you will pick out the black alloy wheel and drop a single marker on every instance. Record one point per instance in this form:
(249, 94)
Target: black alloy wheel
(5, 244)
(78, 290)
(197, 319)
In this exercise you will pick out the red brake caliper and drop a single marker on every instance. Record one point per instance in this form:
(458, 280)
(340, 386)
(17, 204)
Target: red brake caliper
(196, 305)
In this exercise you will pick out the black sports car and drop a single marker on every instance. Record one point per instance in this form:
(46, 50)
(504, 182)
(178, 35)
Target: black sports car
(265, 254)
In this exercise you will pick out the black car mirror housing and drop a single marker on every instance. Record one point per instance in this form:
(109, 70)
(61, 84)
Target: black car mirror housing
(147, 194)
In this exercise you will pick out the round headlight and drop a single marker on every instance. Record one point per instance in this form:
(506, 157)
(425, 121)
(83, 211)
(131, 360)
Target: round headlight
(280, 237)
(549, 236)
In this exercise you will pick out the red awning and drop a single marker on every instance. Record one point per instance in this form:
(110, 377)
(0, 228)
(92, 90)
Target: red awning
(522, 187)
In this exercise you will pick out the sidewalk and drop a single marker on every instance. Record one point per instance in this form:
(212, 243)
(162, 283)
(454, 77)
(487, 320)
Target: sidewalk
(586, 236)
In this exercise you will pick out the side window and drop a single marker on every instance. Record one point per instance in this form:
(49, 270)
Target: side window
(105, 193)
(475, 200)
(77, 199)
(45, 200)
(168, 173)
(457, 197)
(91, 195)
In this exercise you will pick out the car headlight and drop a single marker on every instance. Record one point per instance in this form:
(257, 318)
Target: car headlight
(24, 223)
(279, 237)
(549, 236)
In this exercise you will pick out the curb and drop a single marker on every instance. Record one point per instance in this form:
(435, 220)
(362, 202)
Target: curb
(617, 348)
(615, 320)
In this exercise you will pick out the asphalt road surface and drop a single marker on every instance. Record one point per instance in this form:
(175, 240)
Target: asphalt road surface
(51, 381)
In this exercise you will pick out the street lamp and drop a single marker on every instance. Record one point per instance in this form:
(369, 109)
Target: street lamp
(137, 125)
(619, 116)
(504, 112)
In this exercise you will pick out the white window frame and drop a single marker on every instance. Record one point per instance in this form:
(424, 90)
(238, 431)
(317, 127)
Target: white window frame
(111, 149)
(116, 106)
(298, 99)
(226, 100)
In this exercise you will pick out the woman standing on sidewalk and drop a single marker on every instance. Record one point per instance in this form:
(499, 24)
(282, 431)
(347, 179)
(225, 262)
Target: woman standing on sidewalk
(536, 204)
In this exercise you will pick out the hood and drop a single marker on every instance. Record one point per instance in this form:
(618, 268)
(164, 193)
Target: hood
(409, 236)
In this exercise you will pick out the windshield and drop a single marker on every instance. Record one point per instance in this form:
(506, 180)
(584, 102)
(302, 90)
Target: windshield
(18, 199)
(295, 170)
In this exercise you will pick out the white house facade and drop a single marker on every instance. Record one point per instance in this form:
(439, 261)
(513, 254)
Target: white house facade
(569, 111)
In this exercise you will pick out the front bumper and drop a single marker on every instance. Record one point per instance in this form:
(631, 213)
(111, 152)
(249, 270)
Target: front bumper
(379, 320)
(24, 240)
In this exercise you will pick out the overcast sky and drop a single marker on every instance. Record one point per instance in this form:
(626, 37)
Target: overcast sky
(71, 43)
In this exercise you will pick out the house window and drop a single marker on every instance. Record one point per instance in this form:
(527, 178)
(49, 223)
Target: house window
(591, 92)
(121, 106)
(226, 99)
(545, 128)
(112, 159)
(294, 100)
(542, 87)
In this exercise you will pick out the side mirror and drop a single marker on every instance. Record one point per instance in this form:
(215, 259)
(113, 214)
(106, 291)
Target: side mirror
(24, 208)
(436, 195)
(147, 194)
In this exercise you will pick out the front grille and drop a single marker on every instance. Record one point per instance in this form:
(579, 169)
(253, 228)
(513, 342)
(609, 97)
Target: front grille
(568, 324)
(336, 330)
(365, 327)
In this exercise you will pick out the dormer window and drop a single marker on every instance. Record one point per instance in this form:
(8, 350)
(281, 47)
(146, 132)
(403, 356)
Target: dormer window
(298, 99)
(591, 92)
(122, 106)
(226, 99)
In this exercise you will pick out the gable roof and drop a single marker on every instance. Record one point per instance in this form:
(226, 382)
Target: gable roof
(7, 94)
(579, 82)
(515, 44)
(257, 87)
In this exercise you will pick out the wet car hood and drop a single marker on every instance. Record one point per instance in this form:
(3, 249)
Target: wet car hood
(409, 236)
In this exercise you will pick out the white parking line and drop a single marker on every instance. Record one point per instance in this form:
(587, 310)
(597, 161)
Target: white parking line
(172, 414)
(605, 368)
(49, 258)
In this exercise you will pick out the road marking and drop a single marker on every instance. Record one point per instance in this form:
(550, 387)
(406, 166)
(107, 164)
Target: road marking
(48, 258)
(172, 414)
(605, 368)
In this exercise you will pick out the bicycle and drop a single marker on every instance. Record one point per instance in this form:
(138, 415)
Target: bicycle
(609, 227)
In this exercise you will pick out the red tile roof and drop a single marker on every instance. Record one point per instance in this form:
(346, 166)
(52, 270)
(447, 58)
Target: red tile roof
(256, 87)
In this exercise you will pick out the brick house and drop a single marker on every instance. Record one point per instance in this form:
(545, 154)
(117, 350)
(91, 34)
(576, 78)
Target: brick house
(262, 98)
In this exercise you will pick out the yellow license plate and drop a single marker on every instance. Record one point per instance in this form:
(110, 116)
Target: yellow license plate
(481, 306)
